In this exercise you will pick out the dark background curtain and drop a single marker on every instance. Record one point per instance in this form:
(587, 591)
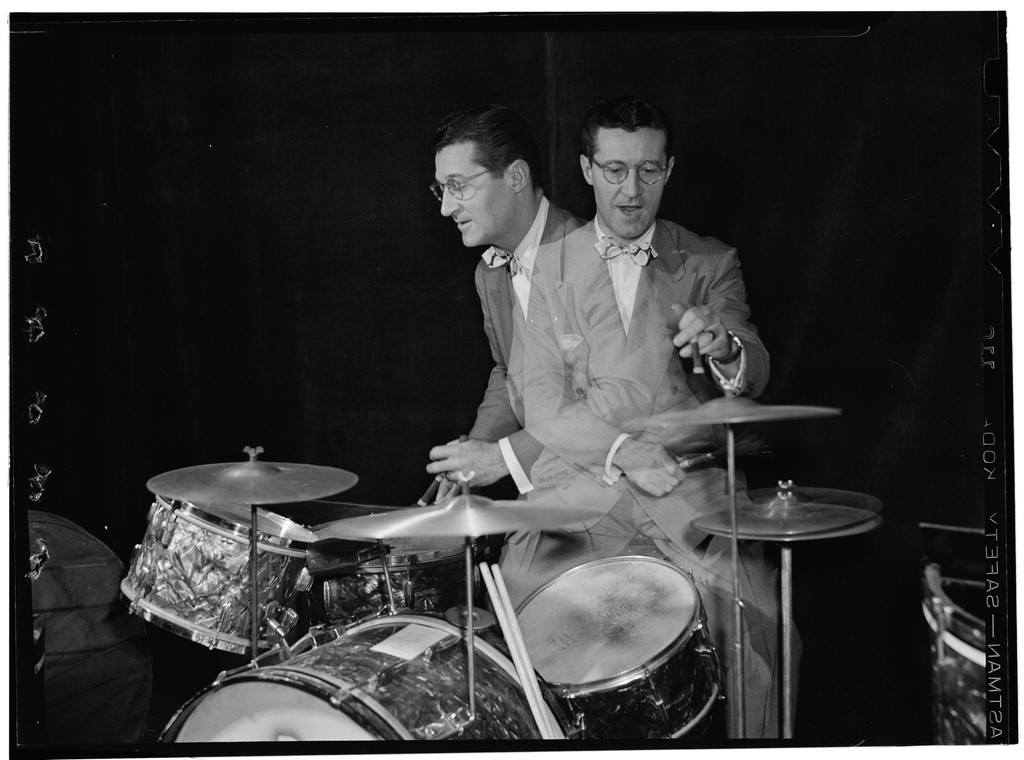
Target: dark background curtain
(241, 250)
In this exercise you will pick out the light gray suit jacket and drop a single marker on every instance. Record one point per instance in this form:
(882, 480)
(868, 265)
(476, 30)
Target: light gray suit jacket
(581, 380)
(496, 416)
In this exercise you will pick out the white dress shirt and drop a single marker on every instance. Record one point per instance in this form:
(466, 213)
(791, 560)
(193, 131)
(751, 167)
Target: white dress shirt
(526, 256)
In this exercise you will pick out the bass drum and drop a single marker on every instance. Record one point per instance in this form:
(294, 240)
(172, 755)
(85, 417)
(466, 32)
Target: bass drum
(621, 644)
(392, 678)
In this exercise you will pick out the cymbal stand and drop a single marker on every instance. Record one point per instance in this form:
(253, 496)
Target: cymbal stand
(787, 641)
(470, 621)
(739, 707)
(387, 576)
(253, 585)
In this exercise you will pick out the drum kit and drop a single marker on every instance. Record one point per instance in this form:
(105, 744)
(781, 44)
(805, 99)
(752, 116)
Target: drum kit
(615, 648)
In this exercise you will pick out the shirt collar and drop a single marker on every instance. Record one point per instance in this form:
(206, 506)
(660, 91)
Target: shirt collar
(645, 238)
(526, 252)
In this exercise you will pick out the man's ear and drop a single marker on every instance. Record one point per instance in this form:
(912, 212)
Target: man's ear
(518, 173)
(586, 166)
(671, 163)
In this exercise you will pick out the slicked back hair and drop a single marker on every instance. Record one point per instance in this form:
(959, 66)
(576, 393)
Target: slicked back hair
(628, 113)
(499, 134)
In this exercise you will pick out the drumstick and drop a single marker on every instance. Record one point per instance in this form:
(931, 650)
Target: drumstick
(527, 677)
(517, 635)
(429, 493)
(673, 316)
(698, 366)
(687, 462)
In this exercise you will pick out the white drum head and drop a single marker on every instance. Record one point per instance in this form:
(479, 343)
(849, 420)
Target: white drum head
(606, 618)
(259, 711)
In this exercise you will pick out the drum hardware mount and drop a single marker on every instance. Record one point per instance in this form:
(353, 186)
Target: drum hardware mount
(449, 725)
(654, 699)
(342, 693)
(459, 616)
(387, 575)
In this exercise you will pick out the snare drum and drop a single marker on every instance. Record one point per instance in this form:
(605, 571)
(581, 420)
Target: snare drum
(426, 576)
(191, 573)
(621, 643)
(957, 656)
(398, 677)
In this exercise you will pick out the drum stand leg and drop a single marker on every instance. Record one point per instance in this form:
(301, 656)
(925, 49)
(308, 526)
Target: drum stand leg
(254, 591)
(470, 625)
(787, 642)
(739, 706)
(387, 576)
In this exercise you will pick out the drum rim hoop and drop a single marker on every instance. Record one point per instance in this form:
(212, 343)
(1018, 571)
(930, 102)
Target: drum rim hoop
(222, 526)
(194, 632)
(305, 680)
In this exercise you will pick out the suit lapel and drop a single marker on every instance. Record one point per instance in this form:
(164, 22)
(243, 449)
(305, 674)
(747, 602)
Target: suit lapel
(503, 304)
(664, 282)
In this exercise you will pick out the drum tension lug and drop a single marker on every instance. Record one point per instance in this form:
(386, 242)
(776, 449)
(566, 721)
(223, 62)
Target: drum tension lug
(445, 726)
(655, 700)
(340, 696)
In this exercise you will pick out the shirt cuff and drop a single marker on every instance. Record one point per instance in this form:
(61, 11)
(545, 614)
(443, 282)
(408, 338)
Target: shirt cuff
(515, 469)
(611, 472)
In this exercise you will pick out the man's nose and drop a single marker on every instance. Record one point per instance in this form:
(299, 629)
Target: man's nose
(631, 186)
(448, 204)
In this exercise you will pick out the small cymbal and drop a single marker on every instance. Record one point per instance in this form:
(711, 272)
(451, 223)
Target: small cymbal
(804, 522)
(808, 495)
(734, 409)
(467, 515)
(251, 482)
(787, 513)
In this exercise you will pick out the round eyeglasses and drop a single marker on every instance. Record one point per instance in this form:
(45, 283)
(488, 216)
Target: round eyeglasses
(616, 172)
(456, 187)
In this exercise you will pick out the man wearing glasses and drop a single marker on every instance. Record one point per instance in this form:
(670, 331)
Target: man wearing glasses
(596, 363)
(488, 180)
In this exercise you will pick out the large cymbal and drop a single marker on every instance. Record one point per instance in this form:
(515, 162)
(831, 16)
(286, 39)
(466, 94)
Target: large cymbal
(785, 515)
(251, 482)
(735, 409)
(466, 515)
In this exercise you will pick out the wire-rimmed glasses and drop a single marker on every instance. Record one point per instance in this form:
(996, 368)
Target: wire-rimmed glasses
(456, 187)
(616, 172)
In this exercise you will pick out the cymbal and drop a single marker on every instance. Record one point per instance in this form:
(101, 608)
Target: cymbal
(806, 494)
(318, 512)
(783, 515)
(735, 409)
(467, 515)
(251, 482)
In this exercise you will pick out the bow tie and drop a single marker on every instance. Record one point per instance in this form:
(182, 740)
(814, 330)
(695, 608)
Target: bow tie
(496, 258)
(642, 253)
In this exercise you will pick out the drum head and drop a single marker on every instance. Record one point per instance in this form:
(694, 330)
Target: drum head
(606, 618)
(254, 711)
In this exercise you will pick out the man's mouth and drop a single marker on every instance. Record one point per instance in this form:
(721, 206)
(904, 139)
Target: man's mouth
(630, 210)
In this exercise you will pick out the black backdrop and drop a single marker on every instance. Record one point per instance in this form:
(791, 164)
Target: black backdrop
(241, 250)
